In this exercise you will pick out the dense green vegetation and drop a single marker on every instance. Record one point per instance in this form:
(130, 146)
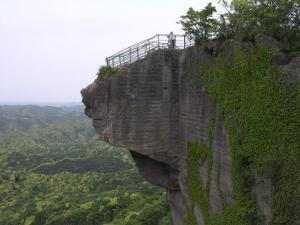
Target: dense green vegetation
(53, 171)
(264, 109)
(253, 95)
(244, 19)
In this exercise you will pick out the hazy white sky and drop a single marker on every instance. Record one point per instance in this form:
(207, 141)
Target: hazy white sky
(51, 49)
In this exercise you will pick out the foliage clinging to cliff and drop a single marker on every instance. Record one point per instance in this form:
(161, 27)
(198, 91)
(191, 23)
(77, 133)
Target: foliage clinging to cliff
(252, 93)
(197, 190)
(106, 71)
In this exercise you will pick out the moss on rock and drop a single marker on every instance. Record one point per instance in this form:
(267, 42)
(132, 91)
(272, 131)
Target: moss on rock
(252, 93)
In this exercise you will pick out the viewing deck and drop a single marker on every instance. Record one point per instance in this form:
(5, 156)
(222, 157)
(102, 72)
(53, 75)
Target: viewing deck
(143, 48)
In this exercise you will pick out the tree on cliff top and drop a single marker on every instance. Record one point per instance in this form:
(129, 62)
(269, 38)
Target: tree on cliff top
(245, 19)
(200, 24)
(277, 18)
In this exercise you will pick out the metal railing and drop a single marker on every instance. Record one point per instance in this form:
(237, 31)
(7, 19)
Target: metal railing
(143, 48)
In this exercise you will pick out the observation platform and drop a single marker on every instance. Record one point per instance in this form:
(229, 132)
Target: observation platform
(143, 48)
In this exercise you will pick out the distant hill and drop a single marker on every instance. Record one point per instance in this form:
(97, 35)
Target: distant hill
(53, 171)
(23, 117)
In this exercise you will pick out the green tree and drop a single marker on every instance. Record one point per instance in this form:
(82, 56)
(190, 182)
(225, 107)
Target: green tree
(200, 25)
(277, 18)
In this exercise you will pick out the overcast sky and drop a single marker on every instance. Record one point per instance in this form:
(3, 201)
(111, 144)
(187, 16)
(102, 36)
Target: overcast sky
(51, 49)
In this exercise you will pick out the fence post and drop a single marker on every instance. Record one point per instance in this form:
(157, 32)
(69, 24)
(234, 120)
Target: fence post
(184, 41)
(158, 41)
(137, 52)
(130, 55)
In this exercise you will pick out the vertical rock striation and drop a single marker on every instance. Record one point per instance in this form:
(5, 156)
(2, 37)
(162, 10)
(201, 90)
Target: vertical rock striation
(153, 109)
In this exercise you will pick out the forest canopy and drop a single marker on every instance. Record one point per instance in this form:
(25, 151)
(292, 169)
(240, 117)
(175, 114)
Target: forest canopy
(53, 171)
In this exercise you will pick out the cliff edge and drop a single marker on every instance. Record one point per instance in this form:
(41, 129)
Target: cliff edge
(159, 110)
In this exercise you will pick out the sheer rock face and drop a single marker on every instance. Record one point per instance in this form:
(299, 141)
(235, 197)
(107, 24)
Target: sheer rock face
(153, 109)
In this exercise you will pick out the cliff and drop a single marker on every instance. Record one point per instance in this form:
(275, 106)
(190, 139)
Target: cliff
(182, 137)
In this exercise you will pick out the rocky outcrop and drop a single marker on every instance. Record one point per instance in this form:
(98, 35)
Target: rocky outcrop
(292, 69)
(153, 109)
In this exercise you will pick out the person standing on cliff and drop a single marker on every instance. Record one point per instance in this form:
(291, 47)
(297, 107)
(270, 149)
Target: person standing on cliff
(171, 40)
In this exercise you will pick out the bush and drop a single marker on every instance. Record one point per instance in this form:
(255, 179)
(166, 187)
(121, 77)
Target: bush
(106, 71)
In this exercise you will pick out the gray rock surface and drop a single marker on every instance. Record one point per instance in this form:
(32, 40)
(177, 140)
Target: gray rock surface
(221, 182)
(152, 108)
(292, 70)
(263, 188)
(198, 215)
(271, 43)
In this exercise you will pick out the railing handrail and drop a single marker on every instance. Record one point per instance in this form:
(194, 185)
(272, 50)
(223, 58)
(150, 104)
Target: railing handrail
(135, 44)
(141, 49)
(176, 35)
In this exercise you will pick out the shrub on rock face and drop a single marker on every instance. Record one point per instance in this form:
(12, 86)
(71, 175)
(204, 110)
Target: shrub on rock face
(106, 71)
